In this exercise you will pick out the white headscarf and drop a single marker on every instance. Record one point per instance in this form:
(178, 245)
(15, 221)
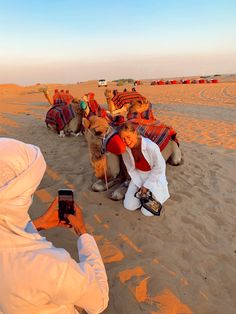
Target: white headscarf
(22, 167)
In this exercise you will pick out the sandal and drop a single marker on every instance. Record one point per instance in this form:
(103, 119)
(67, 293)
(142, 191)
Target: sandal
(149, 203)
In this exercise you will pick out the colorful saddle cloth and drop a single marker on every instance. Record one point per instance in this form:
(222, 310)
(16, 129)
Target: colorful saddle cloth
(156, 131)
(122, 98)
(60, 115)
(147, 114)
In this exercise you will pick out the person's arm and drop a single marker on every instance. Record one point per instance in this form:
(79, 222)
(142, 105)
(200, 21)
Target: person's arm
(82, 284)
(158, 168)
(85, 284)
(50, 218)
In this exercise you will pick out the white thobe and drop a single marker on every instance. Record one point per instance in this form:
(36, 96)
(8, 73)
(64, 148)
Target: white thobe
(38, 278)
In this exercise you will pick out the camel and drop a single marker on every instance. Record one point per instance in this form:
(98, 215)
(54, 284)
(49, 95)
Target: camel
(72, 124)
(119, 102)
(108, 168)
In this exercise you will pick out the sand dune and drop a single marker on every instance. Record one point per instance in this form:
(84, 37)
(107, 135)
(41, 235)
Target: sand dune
(182, 261)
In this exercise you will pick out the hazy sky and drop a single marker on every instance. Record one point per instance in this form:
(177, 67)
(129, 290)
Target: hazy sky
(65, 41)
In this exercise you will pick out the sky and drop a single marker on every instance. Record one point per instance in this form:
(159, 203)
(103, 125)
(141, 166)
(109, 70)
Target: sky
(69, 41)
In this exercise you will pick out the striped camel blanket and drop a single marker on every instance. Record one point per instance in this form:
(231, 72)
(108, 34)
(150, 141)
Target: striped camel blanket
(123, 98)
(156, 131)
(60, 115)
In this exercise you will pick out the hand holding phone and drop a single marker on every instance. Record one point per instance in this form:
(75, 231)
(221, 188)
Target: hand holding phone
(77, 221)
(65, 204)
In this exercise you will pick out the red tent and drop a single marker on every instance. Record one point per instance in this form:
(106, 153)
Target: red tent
(161, 83)
(186, 82)
(173, 82)
(214, 81)
(201, 81)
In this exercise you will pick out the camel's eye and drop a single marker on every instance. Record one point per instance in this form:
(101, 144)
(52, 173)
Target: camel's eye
(98, 133)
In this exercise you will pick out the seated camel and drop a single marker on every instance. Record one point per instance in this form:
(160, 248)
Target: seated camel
(119, 102)
(141, 109)
(108, 166)
(65, 119)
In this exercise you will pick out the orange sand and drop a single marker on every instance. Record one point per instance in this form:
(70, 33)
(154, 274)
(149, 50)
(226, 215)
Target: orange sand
(180, 262)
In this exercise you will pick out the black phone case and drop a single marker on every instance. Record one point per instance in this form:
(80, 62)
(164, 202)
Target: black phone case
(65, 207)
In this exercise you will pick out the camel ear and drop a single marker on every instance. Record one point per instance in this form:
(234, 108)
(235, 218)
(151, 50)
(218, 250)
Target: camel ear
(86, 123)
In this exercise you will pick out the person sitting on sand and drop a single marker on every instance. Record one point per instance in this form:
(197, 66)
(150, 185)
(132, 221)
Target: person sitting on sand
(37, 277)
(146, 167)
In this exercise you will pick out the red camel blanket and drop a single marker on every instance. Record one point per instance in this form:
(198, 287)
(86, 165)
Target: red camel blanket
(60, 115)
(122, 98)
(157, 132)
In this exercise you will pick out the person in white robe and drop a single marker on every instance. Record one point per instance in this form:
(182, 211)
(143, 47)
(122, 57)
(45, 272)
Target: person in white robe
(37, 277)
(146, 167)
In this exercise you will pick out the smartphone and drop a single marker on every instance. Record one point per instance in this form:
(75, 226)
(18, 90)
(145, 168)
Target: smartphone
(65, 203)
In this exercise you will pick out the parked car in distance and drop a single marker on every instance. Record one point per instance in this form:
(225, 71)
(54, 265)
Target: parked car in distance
(102, 82)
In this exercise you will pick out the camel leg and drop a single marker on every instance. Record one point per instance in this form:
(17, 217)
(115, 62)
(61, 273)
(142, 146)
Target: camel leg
(62, 133)
(119, 192)
(176, 157)
(52, 127)
(167, 151)
(172, 153)
(76, 134)
(100, 185)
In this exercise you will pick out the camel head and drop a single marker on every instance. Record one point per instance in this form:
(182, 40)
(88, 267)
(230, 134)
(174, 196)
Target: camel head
(76, 106)
(97, 125)
(108, 93)
(75, 124)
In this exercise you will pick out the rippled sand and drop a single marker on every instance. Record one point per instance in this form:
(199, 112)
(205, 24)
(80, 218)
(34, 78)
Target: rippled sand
(181, 262)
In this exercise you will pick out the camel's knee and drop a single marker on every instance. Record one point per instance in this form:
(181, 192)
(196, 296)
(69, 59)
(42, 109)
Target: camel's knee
(62, 133)
(119, 193)
(176, 156)
(101, 186)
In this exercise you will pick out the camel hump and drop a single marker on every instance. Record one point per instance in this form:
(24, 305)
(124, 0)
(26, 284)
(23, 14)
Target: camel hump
(123, 98)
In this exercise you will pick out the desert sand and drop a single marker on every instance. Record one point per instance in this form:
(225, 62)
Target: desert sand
(181, 262)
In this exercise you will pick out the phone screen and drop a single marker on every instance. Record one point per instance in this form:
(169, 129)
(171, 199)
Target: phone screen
(66, 203)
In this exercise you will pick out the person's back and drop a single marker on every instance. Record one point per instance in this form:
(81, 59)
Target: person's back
(42, 279)
(56, 96)
(68, 97)
(28, 284)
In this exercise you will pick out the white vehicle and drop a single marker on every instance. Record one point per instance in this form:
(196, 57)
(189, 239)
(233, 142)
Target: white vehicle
(102, 83)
